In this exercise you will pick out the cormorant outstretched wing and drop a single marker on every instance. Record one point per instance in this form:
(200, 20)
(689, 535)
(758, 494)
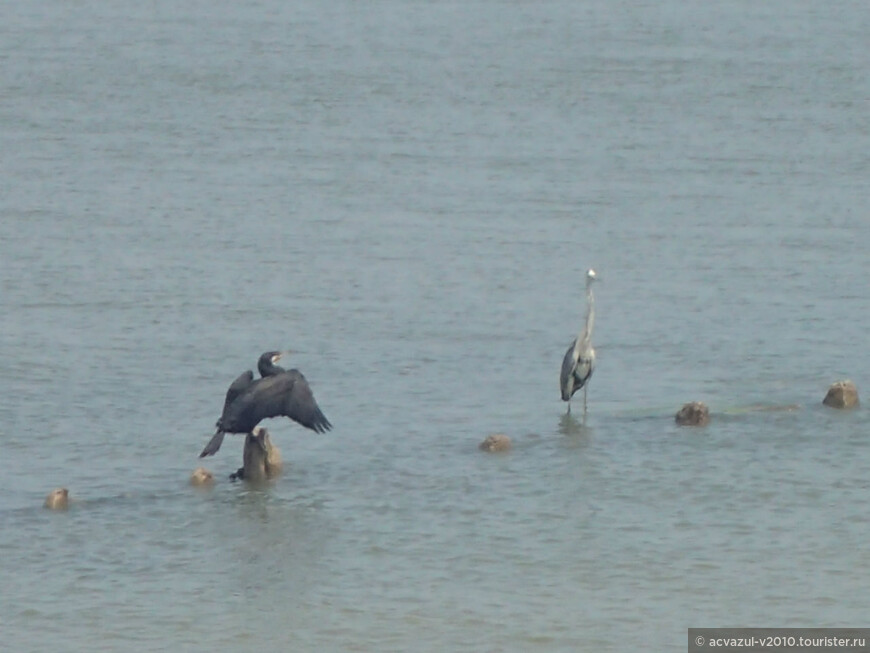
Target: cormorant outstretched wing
(236, 388)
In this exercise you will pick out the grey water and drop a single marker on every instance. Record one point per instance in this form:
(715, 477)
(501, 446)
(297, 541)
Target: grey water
(409, 194)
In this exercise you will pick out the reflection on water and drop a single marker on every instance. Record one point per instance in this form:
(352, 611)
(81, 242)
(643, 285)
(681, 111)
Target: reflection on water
(571, 425)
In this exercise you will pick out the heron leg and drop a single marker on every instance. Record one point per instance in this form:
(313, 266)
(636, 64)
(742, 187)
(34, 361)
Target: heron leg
(569, 407)
(584, 401)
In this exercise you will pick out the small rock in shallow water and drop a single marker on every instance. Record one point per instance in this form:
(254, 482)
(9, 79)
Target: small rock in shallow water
(694, 413)
(496, 442)
(201, 476)
(842, 394)
(57, 499)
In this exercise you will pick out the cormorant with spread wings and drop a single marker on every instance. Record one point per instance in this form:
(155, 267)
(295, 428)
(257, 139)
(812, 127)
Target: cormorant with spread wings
(278, 393)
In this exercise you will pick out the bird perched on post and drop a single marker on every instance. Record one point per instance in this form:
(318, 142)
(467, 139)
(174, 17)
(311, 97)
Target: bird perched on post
(579, 361)
(278, 392)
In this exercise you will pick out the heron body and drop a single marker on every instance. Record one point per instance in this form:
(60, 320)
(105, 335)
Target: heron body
(577, 368)
(278, 392)
(579, 361)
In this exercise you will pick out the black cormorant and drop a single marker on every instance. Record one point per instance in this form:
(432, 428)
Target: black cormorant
(279, 392)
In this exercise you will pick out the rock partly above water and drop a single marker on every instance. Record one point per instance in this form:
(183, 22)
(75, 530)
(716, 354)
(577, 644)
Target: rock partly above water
(495, 443)
(694, 413)
(842, 394)
(57, 499)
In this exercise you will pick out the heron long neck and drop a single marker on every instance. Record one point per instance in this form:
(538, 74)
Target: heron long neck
(585, 336)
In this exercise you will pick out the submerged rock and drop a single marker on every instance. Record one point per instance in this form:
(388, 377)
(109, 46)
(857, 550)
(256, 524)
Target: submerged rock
(201, 476)
(495, 443)
(763, 408)
(694, 413)
(842, 394)
(57, 499)
(261, 459)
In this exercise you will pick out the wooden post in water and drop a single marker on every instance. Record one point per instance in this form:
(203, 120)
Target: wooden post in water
(261, 459)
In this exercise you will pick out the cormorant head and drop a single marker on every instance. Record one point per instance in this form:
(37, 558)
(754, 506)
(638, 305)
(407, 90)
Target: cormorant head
(267, 363)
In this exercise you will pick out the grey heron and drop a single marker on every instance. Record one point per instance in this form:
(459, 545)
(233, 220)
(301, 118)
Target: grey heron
(579, 361)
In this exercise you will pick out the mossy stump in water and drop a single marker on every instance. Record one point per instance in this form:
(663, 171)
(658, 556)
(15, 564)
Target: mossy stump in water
(261, 459)
(57, 499)
(842, 394)
(694, 413)
(495, 443)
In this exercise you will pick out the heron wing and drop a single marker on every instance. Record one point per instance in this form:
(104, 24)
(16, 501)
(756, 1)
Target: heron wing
(584, 369)
(287, 394)
(567, 375)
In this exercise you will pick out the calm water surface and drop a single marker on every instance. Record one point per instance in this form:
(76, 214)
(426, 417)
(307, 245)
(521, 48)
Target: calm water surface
(409, 193)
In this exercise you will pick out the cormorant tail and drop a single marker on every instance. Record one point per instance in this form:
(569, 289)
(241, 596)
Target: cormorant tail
(213, 445)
